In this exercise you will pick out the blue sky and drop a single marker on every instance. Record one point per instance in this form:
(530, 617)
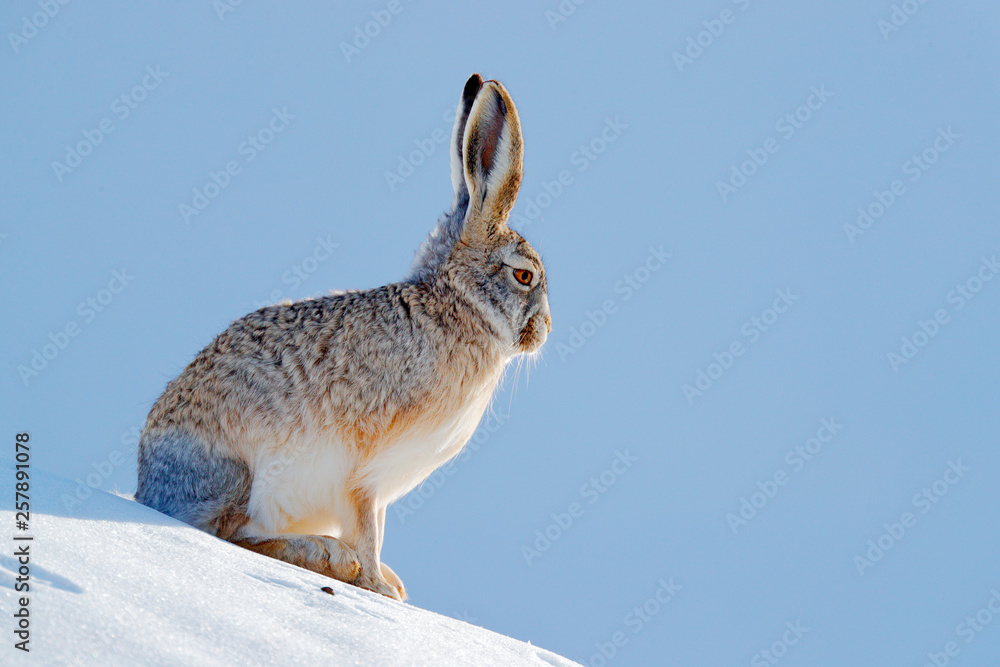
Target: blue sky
(789, 208)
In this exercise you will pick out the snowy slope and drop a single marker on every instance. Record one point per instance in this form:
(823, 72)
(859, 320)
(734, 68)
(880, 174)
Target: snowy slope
(113, 582)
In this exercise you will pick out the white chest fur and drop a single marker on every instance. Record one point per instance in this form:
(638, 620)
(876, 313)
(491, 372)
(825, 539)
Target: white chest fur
(399, 468)
(303, 485)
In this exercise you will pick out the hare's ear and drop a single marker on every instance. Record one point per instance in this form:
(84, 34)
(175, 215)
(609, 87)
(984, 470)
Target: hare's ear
(492, 154)
(472, 87)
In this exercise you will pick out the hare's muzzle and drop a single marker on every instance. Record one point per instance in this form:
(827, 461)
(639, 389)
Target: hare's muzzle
(536, 330)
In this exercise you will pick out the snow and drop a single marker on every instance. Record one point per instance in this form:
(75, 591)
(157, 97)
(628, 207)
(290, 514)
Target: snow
(116, 583)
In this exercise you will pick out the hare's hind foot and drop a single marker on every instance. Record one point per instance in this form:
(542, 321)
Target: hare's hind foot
(319, 553)
(378, 583)
(327, 556)
(393, 580)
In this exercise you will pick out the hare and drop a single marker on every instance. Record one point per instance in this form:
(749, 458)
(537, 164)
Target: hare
(298, 425)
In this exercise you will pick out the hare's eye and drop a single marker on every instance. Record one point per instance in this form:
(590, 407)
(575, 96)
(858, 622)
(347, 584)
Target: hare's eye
(522, 276)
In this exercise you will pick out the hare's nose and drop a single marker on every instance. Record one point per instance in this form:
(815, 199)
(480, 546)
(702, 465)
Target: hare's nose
(543, 310)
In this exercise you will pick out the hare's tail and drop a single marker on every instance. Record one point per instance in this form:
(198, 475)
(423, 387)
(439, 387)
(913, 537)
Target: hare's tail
(181, 478)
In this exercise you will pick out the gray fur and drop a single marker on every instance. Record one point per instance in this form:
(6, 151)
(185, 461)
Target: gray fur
(436, 248)
(179, 477)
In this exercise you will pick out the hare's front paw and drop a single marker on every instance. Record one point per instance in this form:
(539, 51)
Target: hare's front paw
(393, 579)
(374, 581)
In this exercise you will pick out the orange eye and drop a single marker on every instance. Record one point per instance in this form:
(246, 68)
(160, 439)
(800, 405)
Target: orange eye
(522, 276)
